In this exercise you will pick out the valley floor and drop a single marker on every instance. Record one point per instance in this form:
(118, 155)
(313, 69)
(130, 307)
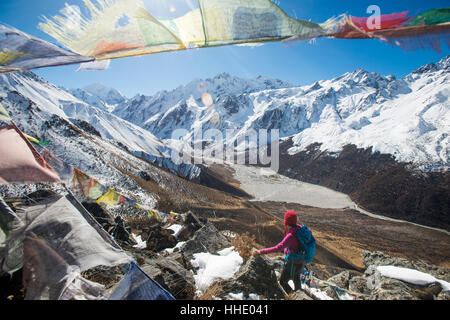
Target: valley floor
(342, 231)
(266, 185)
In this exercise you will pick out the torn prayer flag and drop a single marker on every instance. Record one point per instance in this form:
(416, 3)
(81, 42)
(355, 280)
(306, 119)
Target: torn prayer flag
(90, 187)
(20, 51)
(120, 28)
(20, 162)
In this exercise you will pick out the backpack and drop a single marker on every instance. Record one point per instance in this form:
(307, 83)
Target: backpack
(308, 246)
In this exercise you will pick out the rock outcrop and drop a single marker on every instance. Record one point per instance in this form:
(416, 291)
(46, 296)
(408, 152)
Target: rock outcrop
(373, 286)
(257, 276)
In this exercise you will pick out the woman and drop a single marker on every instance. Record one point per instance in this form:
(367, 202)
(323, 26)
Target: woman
(290, 244)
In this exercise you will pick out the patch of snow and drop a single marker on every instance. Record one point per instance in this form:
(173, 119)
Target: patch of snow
(240, 296)
(212, 267)
(179, 245)
(176, 228)
(411, 276)
(140, 244)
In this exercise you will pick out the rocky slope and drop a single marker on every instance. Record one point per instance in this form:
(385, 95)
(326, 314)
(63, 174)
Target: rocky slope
(169, 257)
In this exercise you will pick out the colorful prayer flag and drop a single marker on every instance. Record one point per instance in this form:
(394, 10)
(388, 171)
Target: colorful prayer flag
(431, 17)
(90, 187)
(111, 198)
(120, 28)
(19, 51)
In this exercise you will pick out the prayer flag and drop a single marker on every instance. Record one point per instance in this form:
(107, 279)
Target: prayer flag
(111, 198)
(19, 51)
(20, 162)
(90, 187)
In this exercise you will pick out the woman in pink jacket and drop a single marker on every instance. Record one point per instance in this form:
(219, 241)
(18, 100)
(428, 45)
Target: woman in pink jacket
(290, 243)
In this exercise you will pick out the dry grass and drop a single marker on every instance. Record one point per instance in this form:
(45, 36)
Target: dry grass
(212, 292)
(290, 296)
(244, 245)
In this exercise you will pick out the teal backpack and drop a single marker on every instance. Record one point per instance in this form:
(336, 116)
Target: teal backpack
(308, 246)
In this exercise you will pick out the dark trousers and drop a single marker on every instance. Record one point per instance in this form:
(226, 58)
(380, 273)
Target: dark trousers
(290, 271)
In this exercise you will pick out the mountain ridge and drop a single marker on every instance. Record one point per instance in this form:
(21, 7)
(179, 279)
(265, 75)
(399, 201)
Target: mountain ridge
(360, 107)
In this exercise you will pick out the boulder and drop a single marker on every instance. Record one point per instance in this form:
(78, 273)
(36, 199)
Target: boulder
(429, 292)
(206, 239)
(158, 238)
(392, 289)
(191, 224)
(171, 275)
(359, 285)
(384, 288)
(255, 276)
(444, 295)
(341, 280)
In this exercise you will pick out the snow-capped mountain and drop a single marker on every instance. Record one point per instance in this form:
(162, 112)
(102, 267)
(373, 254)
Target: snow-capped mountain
(99, 96)
(191, 105)
(407, 118)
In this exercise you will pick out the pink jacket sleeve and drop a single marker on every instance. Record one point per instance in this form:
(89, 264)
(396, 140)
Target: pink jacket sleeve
(279, 247)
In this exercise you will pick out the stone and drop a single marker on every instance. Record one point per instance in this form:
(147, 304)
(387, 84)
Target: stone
(159, 239)
(444, 295)
(392, 289)
(255, 276)
(341, 280)
(301, 295)
(172, 275)
(429, 292)
(359, 285)
(206, 239)
(381, 259)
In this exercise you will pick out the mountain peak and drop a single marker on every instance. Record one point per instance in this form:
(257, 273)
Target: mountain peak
(100, 96)
(359, 71)
(225, 75)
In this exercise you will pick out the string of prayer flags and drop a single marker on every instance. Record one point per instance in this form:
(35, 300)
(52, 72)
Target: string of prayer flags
(110, 29)
(120, 28)
(34, 140)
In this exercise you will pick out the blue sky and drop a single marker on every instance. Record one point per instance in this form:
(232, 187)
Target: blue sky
(301, 63)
